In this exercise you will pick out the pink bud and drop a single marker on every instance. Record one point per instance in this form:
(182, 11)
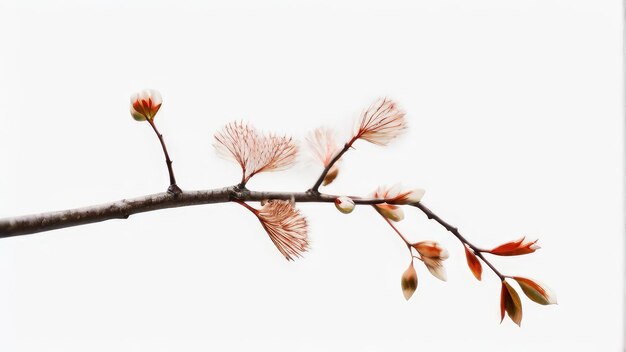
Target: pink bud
(145, 104)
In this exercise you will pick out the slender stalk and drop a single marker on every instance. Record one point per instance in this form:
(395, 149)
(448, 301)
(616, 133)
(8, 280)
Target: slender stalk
(122, 209)
(429, 213)
(408, 244)
(397, 231)
(173, 188)
(346, 147)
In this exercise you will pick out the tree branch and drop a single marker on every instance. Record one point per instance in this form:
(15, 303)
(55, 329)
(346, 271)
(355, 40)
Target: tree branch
(122, 209)
(429, 213)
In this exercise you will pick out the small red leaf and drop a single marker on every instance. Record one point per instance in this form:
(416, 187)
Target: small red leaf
(511, 303)
(517, 247)
(473, 263)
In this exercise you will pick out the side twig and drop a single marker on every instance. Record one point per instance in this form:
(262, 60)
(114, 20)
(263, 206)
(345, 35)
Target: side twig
(173, 188)
(457, 234)
(335, 159)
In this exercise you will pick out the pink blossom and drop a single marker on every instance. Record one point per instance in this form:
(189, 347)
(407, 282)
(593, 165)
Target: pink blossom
(286, 227)
(381, 122)
(253, 151)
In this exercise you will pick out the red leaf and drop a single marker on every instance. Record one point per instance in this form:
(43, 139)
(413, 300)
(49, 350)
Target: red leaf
(515, 248)
(511, 303)
(473, 263)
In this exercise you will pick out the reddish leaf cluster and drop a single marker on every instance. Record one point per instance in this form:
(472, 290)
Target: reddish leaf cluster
(510, 301)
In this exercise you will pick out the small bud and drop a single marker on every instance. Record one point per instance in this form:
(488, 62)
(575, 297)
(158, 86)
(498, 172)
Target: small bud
(331, 175)
(344, 204)
(409, 282)
(145, 104)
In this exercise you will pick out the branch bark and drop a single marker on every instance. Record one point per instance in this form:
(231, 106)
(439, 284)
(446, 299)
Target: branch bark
(122, 209)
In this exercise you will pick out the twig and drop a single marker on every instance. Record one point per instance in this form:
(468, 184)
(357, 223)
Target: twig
(346, 147)
(173, 188)
(458, 235)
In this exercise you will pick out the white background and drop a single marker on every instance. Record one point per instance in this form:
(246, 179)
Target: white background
(515, 112)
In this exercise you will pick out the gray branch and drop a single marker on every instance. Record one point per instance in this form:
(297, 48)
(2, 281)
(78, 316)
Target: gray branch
(122, 209)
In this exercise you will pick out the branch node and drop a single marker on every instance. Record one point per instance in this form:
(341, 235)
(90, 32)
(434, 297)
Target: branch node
(174, 190)
(238, 192)
(313, 192)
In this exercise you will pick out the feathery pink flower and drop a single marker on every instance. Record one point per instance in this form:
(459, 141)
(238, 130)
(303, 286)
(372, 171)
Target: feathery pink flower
(286, 227)
(145, 104)
(324, 148)
(253, 151)
(381, 122)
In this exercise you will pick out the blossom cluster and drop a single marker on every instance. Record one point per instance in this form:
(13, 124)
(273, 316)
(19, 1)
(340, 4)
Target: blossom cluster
(287, 228)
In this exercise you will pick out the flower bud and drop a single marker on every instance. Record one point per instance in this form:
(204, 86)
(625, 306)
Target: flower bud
(331, 175)
(409, 282)
(344, 204)
(145, 104)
